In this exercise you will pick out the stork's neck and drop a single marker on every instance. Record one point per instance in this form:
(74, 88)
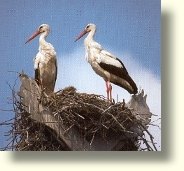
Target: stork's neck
(89, 38)
(42, 40)
(45, 47)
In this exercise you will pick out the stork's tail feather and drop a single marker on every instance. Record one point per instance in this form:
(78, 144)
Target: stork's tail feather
(134, 89)
(128, 84)
(37, 76)
(37, 81)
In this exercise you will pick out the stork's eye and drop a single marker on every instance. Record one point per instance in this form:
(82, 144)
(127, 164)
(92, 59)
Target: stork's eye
(87, 26)
(41, 27)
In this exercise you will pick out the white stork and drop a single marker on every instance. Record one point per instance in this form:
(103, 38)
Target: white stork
(105, 64)
(45, 62)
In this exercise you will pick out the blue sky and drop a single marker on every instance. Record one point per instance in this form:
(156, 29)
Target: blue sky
(128, 28)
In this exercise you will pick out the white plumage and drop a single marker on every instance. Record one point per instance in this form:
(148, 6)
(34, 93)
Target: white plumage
(105, 64)
(45, 62)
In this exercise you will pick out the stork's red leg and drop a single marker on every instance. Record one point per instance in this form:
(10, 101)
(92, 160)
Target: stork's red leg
(107, 89)
(110, 90)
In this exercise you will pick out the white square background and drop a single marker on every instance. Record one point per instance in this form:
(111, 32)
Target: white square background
(171, 157)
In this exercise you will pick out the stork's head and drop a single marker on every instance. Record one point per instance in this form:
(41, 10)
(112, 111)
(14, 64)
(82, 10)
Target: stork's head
(44, 28)
(90, 27)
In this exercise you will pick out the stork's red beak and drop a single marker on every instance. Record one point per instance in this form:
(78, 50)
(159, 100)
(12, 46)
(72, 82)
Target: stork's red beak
(33, 36)
(80, 35)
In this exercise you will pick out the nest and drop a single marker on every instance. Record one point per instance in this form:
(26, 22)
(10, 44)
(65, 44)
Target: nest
(76, 121)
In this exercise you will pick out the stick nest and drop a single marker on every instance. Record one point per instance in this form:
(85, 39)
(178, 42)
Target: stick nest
(86, 122)
(98, 122)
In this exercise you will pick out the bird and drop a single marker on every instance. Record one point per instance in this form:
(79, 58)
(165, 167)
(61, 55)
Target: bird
(105, 64)
(45, 62)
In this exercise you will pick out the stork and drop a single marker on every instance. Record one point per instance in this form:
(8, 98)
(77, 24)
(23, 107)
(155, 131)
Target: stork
(45, 62)
(105, 64)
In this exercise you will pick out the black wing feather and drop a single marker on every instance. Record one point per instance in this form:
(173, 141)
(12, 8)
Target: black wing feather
(120, 72)
(37, 76)
(56, 71)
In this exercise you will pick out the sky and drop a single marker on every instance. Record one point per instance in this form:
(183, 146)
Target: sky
(130, 29)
